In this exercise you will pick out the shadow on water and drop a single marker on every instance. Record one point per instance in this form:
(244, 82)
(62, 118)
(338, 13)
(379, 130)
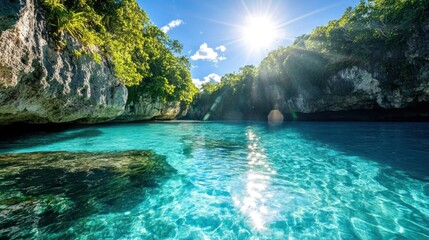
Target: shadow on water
(52, 192)
(15, 140)
(404, 146)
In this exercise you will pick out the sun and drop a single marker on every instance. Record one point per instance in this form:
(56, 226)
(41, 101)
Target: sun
(260, 33)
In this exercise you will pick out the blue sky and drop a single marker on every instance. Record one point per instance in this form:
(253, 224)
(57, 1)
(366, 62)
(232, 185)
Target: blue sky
(217, 35)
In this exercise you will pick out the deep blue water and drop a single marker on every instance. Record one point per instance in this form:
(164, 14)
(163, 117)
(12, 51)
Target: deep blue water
(311, 180)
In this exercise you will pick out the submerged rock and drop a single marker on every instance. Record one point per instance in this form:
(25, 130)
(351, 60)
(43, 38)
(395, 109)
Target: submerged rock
(48, 192)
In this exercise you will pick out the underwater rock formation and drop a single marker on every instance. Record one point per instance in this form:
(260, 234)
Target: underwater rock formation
(51, 191)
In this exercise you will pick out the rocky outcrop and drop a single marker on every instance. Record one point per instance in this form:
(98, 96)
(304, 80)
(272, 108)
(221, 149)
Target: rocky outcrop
(350, 89)
(355, 89)
(146, 108)
(350, 94)
(39, 84)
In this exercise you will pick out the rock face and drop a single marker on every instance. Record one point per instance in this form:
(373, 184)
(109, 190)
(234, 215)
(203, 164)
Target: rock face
(47, 194)
(357, 89)
(145, 108)
(39, 84)
(350, 89)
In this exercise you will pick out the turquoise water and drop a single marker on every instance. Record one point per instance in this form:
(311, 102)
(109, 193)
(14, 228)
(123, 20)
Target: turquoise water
(252, 181)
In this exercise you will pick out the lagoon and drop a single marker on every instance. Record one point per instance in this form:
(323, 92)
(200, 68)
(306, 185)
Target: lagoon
(237, 180)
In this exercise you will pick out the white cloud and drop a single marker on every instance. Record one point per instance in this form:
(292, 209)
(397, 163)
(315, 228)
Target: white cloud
(221, 48)
(208, 54)
(197, 82)
(205, 53)
(212, 78)
(171, 25)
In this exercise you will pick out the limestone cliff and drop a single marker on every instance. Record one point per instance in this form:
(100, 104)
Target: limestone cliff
(357, 89)
(39, 84)
(350, 94)
(146, 108)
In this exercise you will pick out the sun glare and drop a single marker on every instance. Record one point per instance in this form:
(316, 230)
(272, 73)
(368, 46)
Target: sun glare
(260, 33)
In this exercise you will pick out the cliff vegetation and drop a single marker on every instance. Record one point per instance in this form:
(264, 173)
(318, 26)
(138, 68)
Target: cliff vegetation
(375, 56)
(144, 58)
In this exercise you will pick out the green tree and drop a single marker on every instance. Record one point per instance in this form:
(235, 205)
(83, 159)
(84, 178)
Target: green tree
(144, 58)
(209, 87)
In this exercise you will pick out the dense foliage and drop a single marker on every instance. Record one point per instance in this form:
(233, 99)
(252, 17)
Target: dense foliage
(144, 57)
(373, 35)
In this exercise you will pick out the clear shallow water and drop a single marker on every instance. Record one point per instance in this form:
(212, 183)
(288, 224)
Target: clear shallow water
(251, 181)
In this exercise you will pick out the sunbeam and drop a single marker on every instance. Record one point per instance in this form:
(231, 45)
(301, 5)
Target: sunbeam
(310, 14)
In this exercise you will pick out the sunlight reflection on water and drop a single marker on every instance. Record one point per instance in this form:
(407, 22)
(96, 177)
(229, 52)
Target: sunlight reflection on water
(253, 203)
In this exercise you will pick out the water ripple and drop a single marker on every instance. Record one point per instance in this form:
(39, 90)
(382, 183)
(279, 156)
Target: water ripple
(250, 181)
